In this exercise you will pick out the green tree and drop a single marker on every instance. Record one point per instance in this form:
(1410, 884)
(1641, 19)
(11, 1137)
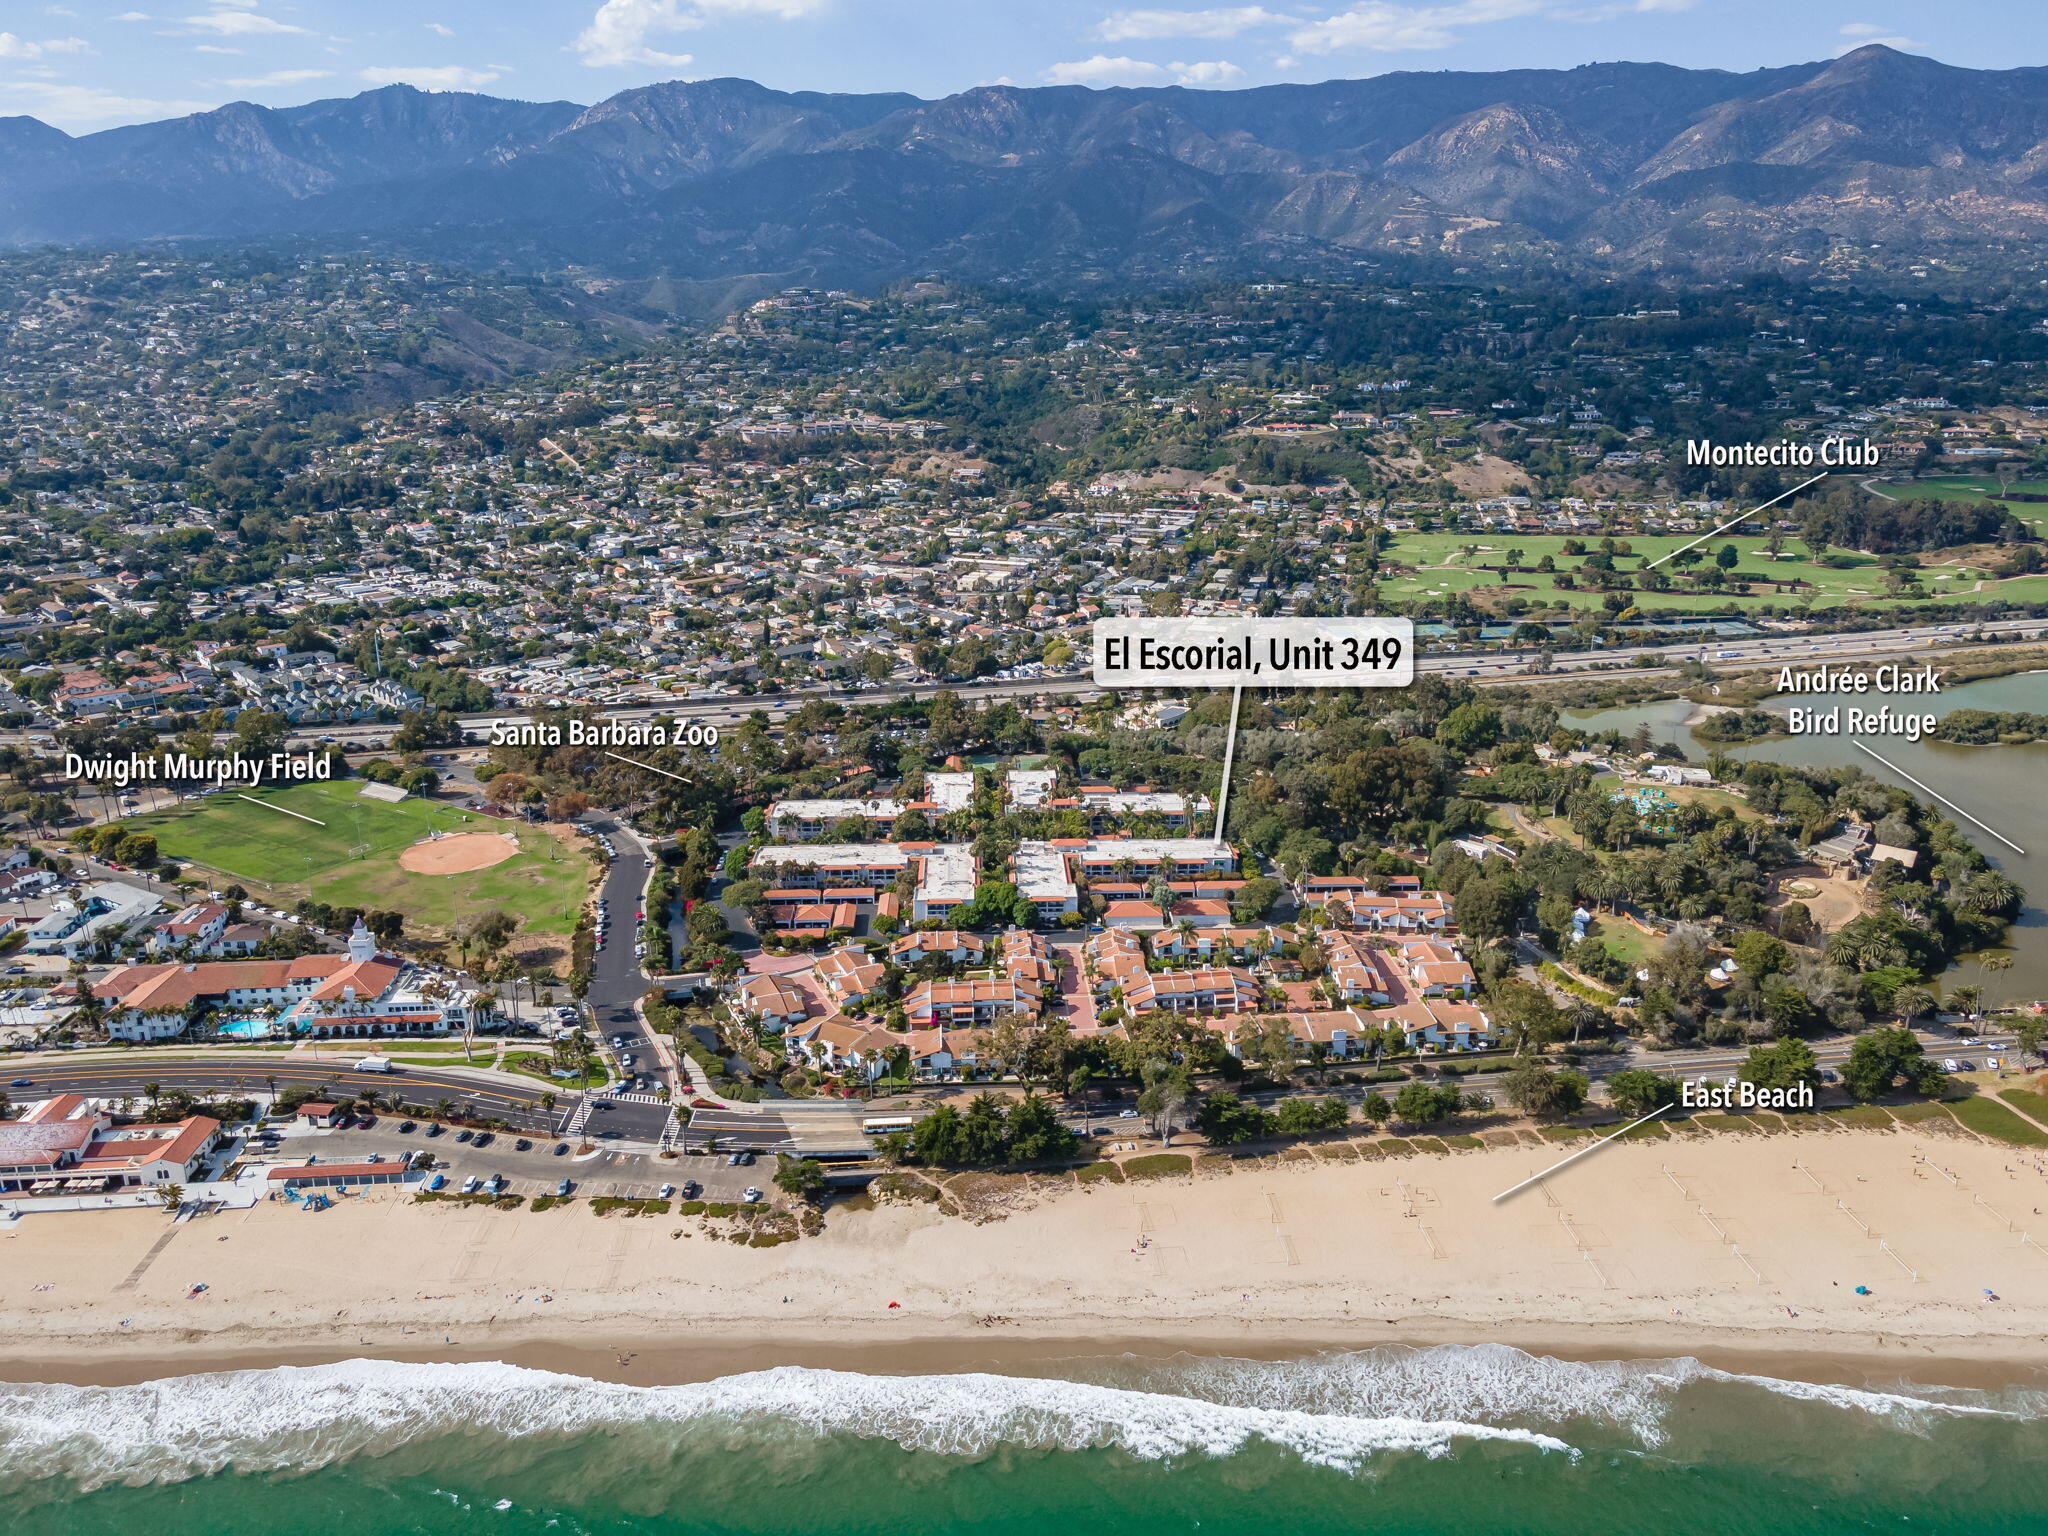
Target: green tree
(1537, 1090)
(1424, 1104)
(1884, 1058)
(1225, 1119)
(802, 1177)
(1789, 1064)
(1299, 1116)
(1637, 1092)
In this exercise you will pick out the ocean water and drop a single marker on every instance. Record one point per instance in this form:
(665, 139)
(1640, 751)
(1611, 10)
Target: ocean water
(1444, 1441)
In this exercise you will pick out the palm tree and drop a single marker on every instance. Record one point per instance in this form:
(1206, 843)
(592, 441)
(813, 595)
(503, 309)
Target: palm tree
(1998, 964)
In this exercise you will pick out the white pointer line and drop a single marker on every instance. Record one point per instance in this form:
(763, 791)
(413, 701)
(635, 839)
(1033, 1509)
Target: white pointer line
(648, 766)
(1229, 753)
(269, 807)
(1546, 1173)
(1944, 799)
(1743, 518)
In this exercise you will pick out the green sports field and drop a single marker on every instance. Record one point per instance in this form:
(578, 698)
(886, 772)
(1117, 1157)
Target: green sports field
(346, 854)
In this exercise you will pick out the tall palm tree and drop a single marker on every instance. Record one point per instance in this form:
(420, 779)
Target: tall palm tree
(1996, 964)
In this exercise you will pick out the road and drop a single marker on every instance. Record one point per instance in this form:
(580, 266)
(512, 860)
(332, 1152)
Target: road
(253, 1071)
(616, 983)
(1483, 668)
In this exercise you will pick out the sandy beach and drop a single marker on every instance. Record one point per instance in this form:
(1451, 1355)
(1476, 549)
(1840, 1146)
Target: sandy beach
(1732, 1247)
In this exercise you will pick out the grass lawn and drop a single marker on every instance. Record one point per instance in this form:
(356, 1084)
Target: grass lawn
(543, 885)
(1624, 940)
(540, 1064)
(1444, 569)
(1869, 1117)
(1989, 1118)
(1690, 794)
(1914, 1114)
(350, 858)
(2027, 1101)
(1158, 1165)
(228, 833)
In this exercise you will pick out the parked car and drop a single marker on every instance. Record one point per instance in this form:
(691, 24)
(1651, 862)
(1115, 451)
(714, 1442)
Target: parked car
(563, 1187)
(407, 1127)
(437, 1129)
(522, 1145)
(666, 1192)
(561, 1149)
(465, 1135)
(469, 1185)
(752, 1195)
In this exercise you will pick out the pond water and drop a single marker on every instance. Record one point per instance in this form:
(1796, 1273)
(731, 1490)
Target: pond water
(2006, 787)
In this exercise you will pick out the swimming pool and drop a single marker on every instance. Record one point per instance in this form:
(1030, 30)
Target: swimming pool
(244, 1029)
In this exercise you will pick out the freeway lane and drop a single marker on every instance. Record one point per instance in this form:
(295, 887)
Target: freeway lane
(235, 1075)
(1482, 668)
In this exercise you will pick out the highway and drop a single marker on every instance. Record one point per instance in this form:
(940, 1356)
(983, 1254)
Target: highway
(1483, 668)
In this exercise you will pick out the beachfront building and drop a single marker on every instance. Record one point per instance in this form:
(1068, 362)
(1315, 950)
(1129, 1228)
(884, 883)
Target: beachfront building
(1357, 969)
(358, 994)
(849, 976)
(67, 1146)
(948, 944)
(1216, 989)
(948, 1004)
(799, 819)
(770, 1002)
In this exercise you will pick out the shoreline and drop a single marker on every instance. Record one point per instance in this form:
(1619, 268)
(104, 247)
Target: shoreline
(1862, 1360)
(1739, 1247)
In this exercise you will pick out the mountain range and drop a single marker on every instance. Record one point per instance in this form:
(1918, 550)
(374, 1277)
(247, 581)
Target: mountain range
(1876, 159)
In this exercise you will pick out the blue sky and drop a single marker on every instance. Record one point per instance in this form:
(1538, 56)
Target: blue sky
(89, 64)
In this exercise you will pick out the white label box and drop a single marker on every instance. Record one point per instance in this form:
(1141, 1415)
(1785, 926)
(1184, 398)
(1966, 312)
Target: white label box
(1254, 653)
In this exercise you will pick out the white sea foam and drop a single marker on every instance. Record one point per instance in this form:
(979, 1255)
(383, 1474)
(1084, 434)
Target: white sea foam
(1899, 1405)
(1500, 1385)
(296, 1418)
(1486, 1383)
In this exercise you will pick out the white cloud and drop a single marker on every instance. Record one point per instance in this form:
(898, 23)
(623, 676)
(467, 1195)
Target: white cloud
(232, 23)
(1103, 69)
(12, 47)
(132, 16)
(438, 30)
(1207, 72)
(430, 77)
(622, 30)
(215, 48)
(1229, 21)
(1384, 28)
(60, 104)
(278, 77)
(1865, 33)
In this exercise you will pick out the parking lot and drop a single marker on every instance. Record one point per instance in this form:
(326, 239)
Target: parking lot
(536, 1168)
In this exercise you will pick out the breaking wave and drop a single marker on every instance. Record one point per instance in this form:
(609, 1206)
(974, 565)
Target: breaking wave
(1340, 1410)
(298, 1418)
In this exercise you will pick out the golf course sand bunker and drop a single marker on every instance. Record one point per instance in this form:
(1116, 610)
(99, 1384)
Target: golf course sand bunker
(458, 853)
